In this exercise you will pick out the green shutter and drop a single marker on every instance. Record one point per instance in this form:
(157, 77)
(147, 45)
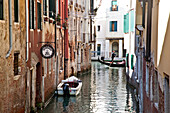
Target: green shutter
(115, 25)
(132, 61)
(125, 24)
(132, 21)
(114, 2)
(127, 60)
(111, 26)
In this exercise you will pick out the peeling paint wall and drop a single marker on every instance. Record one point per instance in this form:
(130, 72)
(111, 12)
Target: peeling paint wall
(12, 87)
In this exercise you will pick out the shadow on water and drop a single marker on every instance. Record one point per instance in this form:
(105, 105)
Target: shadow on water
(104, 90)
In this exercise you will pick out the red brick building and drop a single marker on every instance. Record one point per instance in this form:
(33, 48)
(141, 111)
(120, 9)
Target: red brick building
(45, 27)
(34, 59)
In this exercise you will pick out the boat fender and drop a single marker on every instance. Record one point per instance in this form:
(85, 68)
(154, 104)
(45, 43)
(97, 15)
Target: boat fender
(79, 81)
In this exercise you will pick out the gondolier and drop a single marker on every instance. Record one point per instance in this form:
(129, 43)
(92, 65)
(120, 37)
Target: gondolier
(113, 55)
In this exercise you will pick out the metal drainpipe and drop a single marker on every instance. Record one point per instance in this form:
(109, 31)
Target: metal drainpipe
(27, 49)
(10, 28)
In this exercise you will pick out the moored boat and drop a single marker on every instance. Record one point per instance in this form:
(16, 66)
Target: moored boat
(70, 86)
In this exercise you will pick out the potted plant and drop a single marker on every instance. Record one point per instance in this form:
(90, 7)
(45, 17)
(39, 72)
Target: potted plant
(58, 19)
(45, 18)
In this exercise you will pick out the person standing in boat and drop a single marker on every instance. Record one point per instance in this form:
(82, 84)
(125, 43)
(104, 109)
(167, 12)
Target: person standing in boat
(113, 56)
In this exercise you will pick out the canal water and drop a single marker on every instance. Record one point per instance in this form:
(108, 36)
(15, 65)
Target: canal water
(104, 90)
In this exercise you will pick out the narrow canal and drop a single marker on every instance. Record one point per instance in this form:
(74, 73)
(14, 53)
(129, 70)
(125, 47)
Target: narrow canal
(104, 90)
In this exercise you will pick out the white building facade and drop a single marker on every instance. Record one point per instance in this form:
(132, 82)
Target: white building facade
(109, 28)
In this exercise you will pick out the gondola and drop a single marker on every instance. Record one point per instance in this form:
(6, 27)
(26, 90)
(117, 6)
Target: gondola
(116, 63)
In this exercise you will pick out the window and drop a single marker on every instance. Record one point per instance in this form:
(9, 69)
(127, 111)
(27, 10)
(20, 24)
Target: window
(16, 10)
(74, 55)
(45, 67)
(113, 26)
(71, 53)
(74, 22)
(39, 15)
(57, 7)
(114, 6)
(147, 80)
(53, 63)
(98, 49)
(16, 63)
(155, 88)
(52, 8)
(31, 14)
(1, 9)
(49, 64)
(45, 7)
(84, 38)
(98, 28)
(81, 55)
(61, 63)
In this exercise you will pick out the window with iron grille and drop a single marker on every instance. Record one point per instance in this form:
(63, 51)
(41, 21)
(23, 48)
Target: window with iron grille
(16, 63)
(39, 15)
(1, 9)
(16, 10)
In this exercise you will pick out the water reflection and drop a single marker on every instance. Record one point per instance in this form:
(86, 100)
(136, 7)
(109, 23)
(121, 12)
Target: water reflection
(104, 91)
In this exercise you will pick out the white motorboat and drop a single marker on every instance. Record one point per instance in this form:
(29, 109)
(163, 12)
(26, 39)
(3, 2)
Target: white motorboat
(70, 86)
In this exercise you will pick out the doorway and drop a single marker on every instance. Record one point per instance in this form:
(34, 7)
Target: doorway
(38, 84)
(98, 49)
(115, 47)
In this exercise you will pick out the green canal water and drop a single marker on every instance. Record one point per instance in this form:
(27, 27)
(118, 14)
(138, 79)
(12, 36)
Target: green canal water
(104, 90)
